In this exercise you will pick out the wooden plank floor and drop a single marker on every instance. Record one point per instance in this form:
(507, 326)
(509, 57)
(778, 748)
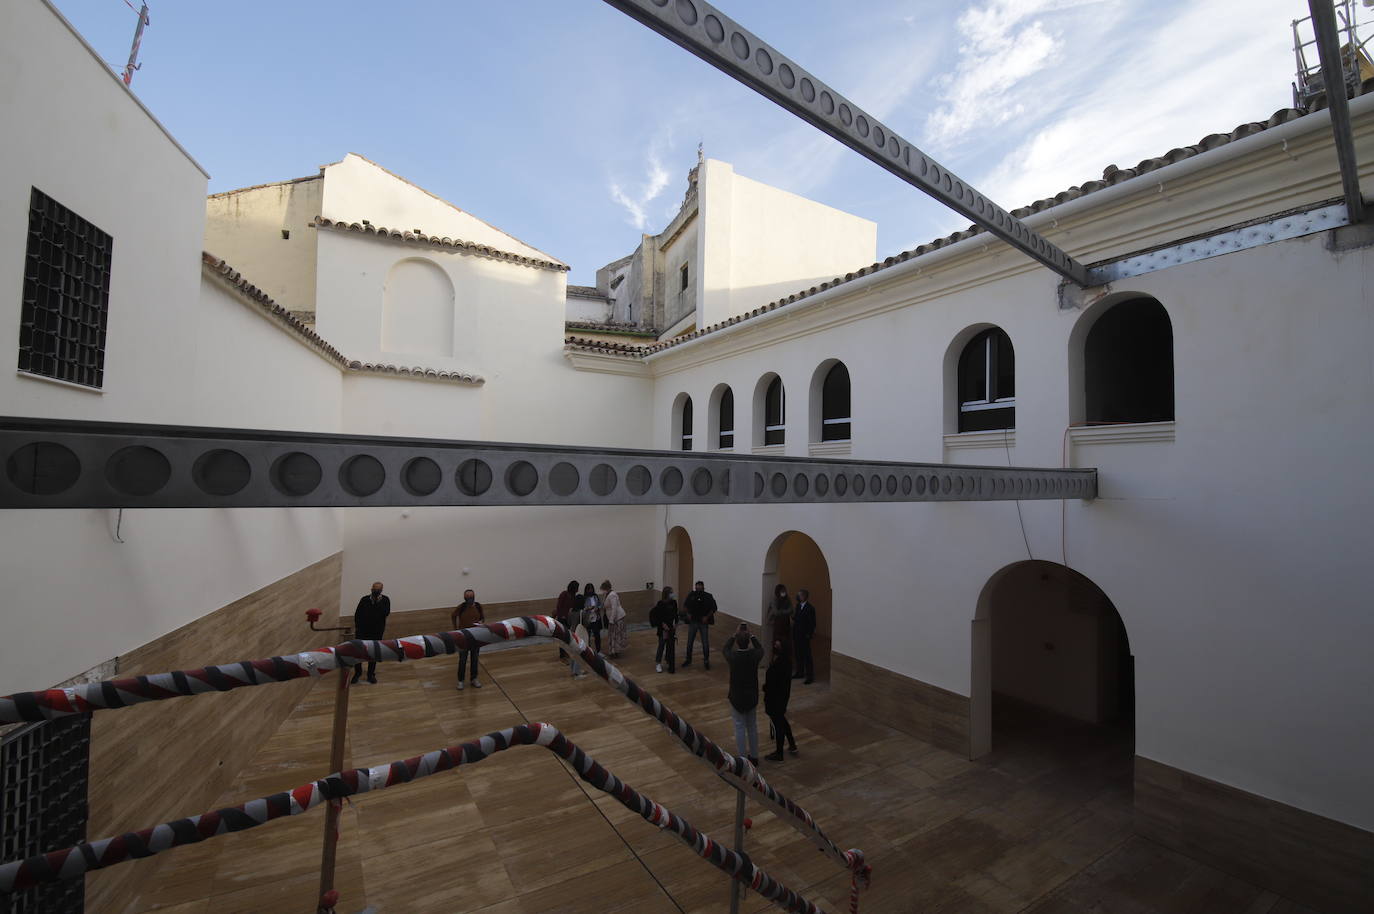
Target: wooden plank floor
(1043, 824)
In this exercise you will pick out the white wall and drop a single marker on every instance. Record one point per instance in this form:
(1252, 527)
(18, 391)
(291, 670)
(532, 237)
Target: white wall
(1234, 554)
(762, 243)
(84, 141)
(356, 189)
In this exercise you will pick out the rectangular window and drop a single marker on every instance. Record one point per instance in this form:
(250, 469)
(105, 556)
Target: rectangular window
(66, 299)
(684, 278)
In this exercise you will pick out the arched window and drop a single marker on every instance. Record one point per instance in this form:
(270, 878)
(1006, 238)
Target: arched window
(835, 424)
(1128, 364)
(774, 413)
(725, 413)
(685, 439)
(987, 383)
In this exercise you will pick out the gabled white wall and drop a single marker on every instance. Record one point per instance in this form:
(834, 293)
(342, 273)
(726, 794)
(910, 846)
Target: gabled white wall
(356, 189)
(761, 243)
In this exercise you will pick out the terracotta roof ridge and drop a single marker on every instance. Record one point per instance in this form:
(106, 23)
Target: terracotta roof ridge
(582, 344)
(450, 204)
(365, 227)
(251, 293)
(1111, 175)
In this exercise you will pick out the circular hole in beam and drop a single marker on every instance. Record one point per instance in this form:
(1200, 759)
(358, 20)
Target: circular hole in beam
(603, 479)
(221, 472)
(521, 478)
(43, 468)
(421, 476)
(296, 474)
(361, 475)
(564, 478)
(473, 477)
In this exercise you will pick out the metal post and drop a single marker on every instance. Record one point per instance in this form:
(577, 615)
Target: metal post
(133, 63)
(737, 887)
(1333, 80)
(336, 763)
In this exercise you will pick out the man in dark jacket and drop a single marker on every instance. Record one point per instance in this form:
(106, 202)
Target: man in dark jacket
(369, 621)
(803, 628)
(701, 613)
(742, 654)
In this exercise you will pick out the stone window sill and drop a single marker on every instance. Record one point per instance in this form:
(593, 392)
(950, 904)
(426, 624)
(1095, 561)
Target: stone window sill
(1126, 433)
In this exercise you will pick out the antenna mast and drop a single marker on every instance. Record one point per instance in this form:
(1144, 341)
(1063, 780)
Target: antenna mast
(133, 63)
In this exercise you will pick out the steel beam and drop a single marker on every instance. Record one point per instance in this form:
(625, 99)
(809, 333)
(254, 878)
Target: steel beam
(1296, 224)
(1333, 77)
(69, 464)
(720, 41)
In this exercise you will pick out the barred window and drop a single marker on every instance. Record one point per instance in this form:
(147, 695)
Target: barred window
(66, 300)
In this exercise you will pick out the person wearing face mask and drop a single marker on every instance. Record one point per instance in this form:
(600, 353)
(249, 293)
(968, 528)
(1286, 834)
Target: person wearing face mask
(803, 629)
(369, 622)
(464, 615)
(778, 616)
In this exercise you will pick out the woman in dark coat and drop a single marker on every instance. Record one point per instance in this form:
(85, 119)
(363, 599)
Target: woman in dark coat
(777, 689)
(563, 612)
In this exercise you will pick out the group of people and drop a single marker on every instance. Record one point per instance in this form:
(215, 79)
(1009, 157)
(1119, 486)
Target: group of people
(790, 629)
(699, 612)
(594, 613)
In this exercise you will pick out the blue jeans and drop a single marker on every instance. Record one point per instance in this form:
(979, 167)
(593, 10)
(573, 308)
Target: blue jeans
(692, 629)
(746, 729)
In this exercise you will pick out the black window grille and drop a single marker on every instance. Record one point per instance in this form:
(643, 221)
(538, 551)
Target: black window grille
(727, 420)
(687, 424)
(43, 778)
(987, 383)
(774, 413)
(835, 421)
(66, 300)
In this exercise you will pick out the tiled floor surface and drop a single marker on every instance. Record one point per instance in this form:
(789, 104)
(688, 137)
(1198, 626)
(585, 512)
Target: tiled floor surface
(1041, 825)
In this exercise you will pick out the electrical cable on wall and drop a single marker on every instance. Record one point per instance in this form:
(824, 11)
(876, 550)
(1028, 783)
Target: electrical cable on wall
(1006, 443)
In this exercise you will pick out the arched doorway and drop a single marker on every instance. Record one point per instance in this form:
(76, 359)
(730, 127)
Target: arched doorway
(1050, 652)
(677, 563)
(794, 559)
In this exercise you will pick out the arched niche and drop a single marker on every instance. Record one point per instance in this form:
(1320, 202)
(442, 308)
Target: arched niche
(418, 309)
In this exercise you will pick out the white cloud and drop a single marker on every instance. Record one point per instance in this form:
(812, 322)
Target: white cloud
(656, 179)
(1000, 51)
(1167, 88)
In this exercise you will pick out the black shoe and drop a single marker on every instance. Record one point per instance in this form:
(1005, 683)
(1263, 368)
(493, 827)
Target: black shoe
(793, 750)
(808, 681)
(774, 756)
(706, 666)
(354, 680)
(752, 760)
(372, 679)
(686, 663)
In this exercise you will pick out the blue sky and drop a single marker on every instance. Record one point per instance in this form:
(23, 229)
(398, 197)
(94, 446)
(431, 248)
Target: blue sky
(572, 127)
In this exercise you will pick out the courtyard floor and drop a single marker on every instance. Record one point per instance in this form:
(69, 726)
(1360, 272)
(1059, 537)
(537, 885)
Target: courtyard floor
(1043, 824)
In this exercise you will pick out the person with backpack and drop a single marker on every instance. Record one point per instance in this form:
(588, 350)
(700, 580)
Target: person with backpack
(592, 611)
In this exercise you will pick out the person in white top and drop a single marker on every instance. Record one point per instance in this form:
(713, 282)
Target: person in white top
(619, 632)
